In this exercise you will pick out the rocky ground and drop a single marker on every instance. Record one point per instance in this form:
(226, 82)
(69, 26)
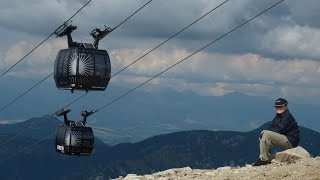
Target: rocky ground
(293, 165)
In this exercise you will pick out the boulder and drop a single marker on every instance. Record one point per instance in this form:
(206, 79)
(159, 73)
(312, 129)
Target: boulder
(173, 171)
(132, 177)
(291, 155)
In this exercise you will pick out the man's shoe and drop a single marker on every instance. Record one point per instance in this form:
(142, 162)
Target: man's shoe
(259, 162)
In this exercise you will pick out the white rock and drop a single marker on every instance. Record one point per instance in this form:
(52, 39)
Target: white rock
(292, 155)
(132, 177)
(210, 173)
(149, 177)
(164, 178)
(236, 172)
(226, 168)
(173, 171)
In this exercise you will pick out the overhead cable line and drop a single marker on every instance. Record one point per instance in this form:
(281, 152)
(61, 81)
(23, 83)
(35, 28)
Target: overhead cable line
(43, 41)
(42, 80)
(202, 48)
(25, 129)
(26, 148)
(21, 132)
(33, 125)
(132, 14)
(4, 107)
(171, 37)
(153, 49)
(212, 42)
(156, 47)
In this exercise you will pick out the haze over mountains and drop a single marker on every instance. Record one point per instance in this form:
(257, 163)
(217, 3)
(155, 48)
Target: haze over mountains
(136, 118)
(197, 149)
(143, 114)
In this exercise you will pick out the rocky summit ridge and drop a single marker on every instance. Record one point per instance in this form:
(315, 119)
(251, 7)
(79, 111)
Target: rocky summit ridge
(292, 164)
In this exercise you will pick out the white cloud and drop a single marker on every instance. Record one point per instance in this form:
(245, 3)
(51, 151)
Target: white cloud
(40, 62)
(218, 74)
(13, 54)
(205, 73)
(210, 67)
(296, 41)
(150, 64)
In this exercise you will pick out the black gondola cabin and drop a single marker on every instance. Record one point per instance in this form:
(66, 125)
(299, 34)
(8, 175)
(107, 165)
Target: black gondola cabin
(82, 68)
(74, 140)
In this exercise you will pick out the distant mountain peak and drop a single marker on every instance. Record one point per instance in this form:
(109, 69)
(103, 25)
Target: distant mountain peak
(236, 94)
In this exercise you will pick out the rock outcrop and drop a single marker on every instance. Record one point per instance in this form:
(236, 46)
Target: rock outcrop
(292, 155)
(292, 164)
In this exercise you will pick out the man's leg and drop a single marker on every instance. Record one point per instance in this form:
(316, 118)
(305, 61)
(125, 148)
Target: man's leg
(270, 138)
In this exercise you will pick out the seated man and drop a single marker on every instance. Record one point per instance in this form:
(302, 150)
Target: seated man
(283, 132)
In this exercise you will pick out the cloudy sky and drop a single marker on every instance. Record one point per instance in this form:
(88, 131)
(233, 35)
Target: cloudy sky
(275, 55)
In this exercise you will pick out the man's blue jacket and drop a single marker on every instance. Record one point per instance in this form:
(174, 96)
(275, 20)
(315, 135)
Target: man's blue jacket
(286, 124)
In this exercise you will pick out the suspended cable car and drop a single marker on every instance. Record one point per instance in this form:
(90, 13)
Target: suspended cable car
(73, 137)
(82, 66)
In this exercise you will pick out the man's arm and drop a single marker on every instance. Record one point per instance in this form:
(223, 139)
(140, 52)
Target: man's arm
(282, 126)
(273, 126)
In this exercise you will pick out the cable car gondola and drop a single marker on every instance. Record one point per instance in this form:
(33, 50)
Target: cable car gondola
(73, 137)
(82, 66)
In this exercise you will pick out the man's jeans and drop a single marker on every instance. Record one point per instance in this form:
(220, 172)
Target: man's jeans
(270, 138)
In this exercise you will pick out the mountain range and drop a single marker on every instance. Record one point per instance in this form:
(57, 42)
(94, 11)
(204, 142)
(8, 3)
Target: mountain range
(144, 113)
(200, 149)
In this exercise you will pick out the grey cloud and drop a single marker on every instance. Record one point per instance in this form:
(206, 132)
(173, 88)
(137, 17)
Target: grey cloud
(36, 17)
(158, 20)
(161, 19)
(293, 41)
(247, 68)
(304, 12)
(22, 19)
